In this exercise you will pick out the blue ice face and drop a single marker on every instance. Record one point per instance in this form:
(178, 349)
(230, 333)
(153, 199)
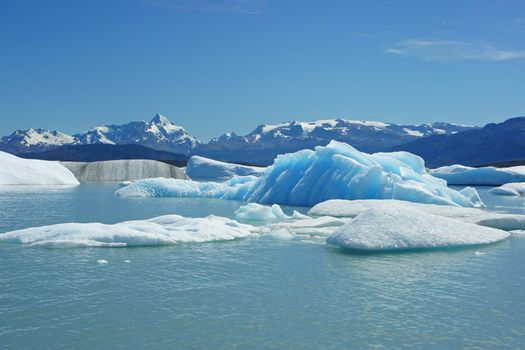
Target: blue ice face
(305, 178)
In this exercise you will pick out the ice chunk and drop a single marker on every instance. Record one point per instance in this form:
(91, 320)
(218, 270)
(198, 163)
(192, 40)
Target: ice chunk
(350, 209)
(307, 177)
(20, 171)
(205, 168)
(473, 196)
(463, 175)
(260, 213)
(401, 228)
(162, 230)
(510, 189)
(234, 188)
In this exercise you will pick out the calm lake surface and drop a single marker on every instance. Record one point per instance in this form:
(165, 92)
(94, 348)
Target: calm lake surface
(246, 294)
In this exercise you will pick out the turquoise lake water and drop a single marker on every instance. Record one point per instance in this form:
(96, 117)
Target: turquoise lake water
(246, 294)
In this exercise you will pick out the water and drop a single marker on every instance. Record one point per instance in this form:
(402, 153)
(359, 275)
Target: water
(246, 294)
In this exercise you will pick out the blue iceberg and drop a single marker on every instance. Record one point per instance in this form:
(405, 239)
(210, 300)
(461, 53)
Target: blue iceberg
(490, 176)
(308, 177)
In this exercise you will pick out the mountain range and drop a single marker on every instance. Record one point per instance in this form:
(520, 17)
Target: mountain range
(258, 147)
(502, 143)
(159, 134)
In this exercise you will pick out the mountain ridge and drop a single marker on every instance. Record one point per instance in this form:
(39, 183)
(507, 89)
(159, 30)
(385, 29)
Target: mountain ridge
(494, 143)
(258, 147)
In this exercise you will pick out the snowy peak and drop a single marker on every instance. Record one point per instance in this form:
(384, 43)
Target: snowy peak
(160, 119)
(340, 127)
(35, 139)
(159, 133)
(267, 140)
(258, 147)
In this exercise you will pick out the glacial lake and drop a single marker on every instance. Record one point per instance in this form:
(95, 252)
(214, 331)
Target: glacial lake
(246, 294)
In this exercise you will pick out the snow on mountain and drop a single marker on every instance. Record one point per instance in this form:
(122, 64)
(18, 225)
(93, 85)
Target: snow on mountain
(266, 141)
(259, 147)
(34, 139)
(159, 133)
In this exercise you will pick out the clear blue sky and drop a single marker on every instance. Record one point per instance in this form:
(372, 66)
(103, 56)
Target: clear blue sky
(219, 65)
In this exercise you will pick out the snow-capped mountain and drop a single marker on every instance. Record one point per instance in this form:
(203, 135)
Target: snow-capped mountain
(258, 147)
(159, 133)
(34, 140)
(266, 141)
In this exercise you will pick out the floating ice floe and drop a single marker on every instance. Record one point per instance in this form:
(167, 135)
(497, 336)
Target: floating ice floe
(162, 230)
(308, 177)
(360, 224)
(510, 189)
(463, 175)
(20, 171)
(400, 228)
(473, 196)
(253, 212)
(205, 168)
(350, 209)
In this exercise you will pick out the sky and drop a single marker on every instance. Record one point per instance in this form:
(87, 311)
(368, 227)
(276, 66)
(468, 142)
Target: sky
(215, 66)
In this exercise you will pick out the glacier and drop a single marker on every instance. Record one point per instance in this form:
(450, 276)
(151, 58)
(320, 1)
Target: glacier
(20, 171)
(205, 168)
(308, 177)
(402, 228)
(485, 176)
(162, 230)
(510, 189)
(123, 170)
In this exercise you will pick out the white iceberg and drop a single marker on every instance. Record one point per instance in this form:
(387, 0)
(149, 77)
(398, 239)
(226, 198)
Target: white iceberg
(205, 168)
(308, 177)
(365, 224)
(20, 171)
(162, 230)
(401, 228)
(473, 196)
(510, 189)
(235, 188)
(489, 176)
(260, 213)
(350, 209)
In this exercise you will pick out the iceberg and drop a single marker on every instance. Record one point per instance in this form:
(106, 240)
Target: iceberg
(235, 188)
(351, 209)
(402, 228)
(488, 176)
(367, 224)
(205, 168)
(162, 230)
(305, 178)
(260, 213)
(473, 196)
(123, 170)
(20, 171)
(510, 189)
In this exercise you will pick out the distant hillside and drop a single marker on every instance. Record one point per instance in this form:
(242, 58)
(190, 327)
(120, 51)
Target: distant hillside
(98, 152)
(494, 143)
